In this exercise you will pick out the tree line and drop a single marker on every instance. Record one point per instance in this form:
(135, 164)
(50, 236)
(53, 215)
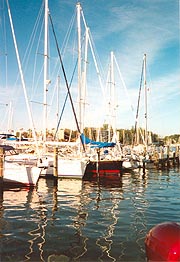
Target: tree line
(105, 133)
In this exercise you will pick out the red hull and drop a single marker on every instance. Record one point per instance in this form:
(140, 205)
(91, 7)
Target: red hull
(103, 169)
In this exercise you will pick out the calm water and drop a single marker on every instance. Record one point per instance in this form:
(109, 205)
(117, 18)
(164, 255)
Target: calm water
(87, 221)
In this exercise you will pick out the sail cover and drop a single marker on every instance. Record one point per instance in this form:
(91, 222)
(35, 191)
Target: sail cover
(85, 140)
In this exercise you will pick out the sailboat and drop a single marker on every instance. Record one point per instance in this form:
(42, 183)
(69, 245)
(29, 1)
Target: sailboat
(139, 154)
(71, 165)
(20, 169)
(76, 162)
(107, 160)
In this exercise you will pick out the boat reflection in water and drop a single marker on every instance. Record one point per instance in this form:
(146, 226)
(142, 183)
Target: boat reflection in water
(89, 213)
(73, 220)
(108, 206)
(17, 216)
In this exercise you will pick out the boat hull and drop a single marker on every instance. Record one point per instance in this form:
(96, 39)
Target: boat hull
(20, 174)
(67, 168)
(105, 168)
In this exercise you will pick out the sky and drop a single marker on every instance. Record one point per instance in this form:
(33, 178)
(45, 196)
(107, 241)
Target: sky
(128, 28)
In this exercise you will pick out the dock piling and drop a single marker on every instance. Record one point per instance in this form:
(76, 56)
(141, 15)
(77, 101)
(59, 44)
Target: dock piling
(55, 166)
(168, 162)
(1, 165)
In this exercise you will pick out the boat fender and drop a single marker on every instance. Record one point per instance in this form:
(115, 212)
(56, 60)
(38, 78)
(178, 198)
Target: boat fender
(162, 243)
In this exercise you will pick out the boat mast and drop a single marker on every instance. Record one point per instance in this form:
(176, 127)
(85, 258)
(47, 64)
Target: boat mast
(138, 131)
(22, 77)
(67, 86)
(45, 68)
(94, 57)
(111, 99)
(58, 86)
(10, 116)
(84, 74)
(78, 6)
(113, 105)
(145, 98)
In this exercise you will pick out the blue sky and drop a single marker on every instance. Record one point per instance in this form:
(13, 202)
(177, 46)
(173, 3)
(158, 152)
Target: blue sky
(128, 28)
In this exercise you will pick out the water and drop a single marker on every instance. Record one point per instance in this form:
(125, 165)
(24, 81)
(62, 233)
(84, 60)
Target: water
(87, 221)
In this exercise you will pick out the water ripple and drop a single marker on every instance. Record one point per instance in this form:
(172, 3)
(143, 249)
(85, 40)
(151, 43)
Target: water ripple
(87, 221)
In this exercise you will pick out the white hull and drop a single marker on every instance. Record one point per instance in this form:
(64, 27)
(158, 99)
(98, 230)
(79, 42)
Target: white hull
(67, 168)
(20, 174)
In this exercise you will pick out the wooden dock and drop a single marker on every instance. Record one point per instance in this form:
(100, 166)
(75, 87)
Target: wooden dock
(165, 158)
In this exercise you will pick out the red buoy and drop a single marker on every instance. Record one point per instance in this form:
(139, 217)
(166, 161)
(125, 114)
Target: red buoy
(162, 242)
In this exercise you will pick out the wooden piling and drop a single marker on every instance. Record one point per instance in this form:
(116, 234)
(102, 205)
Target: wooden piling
(174, 159)
(178, 156)
(156, 158)
(168, 163)
(161, 156)
(165, 158)
(55, 166)
(1, 165)
(144, 163)
(98, 160)
(55, 199)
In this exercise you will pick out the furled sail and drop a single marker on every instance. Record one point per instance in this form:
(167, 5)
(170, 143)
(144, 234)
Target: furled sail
(85, 140)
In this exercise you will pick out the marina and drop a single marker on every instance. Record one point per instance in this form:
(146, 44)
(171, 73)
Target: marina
(89, 169)
(78, 220)
(24, 169)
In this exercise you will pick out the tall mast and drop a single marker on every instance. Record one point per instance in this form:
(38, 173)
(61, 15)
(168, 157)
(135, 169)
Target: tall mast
(83, 79)
(45, 68)
(145, 98)
(10, 115)
(58, 86)
(113, 105)
(111, 102)
(78, 6)
(22, 77)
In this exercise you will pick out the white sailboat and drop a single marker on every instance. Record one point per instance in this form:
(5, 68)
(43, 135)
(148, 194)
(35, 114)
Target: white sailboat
(73, 165)
(140, 149)
(20, 169)
(20, 174)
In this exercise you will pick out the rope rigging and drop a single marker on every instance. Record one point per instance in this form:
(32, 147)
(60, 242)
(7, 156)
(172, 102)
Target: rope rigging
(138, 104)
(65, 78)
(63, 108)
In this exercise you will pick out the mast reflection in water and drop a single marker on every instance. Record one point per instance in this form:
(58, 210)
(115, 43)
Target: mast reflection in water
(86, 220)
